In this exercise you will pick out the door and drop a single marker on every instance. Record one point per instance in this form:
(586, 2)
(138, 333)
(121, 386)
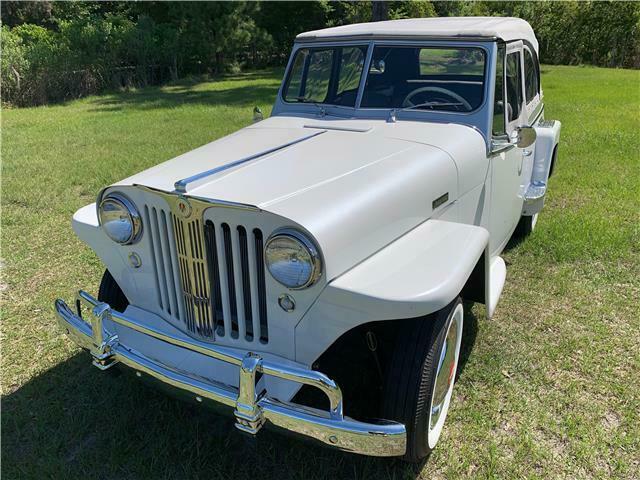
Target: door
(507, 166)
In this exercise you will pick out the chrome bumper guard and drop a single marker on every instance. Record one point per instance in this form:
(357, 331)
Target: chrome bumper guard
(252, 409)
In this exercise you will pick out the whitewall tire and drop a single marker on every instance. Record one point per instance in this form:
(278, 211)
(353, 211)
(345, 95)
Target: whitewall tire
(420, 377)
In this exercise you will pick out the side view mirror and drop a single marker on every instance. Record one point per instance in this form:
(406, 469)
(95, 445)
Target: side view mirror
(525, 136)
(257, 114)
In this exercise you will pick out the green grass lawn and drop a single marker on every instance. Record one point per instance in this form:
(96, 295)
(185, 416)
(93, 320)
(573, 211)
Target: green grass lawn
(551, 386)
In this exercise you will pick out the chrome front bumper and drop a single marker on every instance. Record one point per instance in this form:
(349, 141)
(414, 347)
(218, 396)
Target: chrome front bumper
(252, 409)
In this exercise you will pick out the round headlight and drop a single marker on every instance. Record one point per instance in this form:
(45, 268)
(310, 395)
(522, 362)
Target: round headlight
(120, 219)
(292, 259)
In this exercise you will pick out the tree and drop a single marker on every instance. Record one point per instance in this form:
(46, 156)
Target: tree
(379, 11)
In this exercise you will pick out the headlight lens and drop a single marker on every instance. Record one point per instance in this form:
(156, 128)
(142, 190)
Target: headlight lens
(120, 219)
(292, 259)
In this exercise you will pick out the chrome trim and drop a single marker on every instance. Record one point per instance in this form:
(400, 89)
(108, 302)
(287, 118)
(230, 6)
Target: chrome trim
(314, 253)
(252, 410)
(136, 220)
(535, 115)
(181, 185)
(211, 202)
(535, 191)
(288, 298)
(500, 145)
(196, 281)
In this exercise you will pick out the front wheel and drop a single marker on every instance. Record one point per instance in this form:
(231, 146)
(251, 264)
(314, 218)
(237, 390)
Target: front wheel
(420, 377)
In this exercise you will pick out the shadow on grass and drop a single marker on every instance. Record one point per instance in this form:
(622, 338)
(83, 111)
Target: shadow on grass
(76, 422)
(187, 92)
(73, 421)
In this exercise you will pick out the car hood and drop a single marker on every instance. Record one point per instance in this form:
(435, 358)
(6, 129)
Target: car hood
(354, 185)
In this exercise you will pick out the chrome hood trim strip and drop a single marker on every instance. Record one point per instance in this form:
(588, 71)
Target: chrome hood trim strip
(181, 185)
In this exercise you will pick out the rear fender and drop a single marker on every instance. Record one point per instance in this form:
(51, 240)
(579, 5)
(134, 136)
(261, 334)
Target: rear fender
(547, 138)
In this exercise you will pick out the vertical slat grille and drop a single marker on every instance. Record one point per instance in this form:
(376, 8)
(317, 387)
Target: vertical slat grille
(209, 276)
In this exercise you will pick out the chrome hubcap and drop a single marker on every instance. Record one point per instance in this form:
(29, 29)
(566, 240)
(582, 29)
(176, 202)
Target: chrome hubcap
(445, 376)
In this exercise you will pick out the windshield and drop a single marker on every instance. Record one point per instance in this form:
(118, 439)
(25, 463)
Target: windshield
(425, 78)
(326, 75)
(400, 77)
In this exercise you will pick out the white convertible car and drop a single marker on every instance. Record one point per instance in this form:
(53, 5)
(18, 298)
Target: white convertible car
(310, 269)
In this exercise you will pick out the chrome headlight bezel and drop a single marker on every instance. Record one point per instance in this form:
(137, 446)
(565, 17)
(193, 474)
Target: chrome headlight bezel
(305, 242)
(127, 206)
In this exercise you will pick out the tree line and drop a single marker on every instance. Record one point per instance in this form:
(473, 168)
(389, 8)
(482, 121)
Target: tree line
(53, 51)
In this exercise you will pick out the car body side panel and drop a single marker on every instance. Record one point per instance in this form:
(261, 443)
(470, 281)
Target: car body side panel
(417, 274)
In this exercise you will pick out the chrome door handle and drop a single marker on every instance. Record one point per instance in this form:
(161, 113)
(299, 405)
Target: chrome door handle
(527, 153)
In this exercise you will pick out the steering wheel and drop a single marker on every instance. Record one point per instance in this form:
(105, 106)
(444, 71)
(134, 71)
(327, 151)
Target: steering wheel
(437, 90)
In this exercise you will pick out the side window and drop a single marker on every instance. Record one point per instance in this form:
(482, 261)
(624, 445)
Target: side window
(498, 102)
(531, 83)
(514, 86)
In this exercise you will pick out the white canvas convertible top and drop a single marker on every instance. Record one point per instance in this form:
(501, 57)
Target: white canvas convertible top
(504, 28)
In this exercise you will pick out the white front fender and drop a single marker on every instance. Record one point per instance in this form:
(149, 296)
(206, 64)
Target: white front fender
(418, 274)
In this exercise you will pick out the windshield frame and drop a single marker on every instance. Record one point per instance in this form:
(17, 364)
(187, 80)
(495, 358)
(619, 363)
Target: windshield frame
(479, 119)
(329, 108)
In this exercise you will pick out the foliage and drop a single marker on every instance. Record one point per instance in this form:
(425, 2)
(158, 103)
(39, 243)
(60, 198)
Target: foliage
(54, 51)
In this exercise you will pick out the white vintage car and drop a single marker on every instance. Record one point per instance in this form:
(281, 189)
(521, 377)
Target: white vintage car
(311, 268)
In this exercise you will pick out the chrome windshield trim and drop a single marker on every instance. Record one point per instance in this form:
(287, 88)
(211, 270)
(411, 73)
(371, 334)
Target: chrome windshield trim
(181, 185)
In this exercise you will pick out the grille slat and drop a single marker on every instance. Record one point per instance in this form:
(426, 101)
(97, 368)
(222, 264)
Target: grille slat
(214, 276)
(164, 293)
(254, 268)
(168, 267)
(224, 286)
(262, 290)
(156, 275)
(230, 278)
(246, 283)
(177, 283)
(208, 276)
(237, 280)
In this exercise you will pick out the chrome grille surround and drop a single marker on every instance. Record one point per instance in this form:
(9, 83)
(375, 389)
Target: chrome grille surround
(209, 275)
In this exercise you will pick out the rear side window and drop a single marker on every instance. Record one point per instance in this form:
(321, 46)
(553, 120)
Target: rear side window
(531, 76)
(514, 86)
